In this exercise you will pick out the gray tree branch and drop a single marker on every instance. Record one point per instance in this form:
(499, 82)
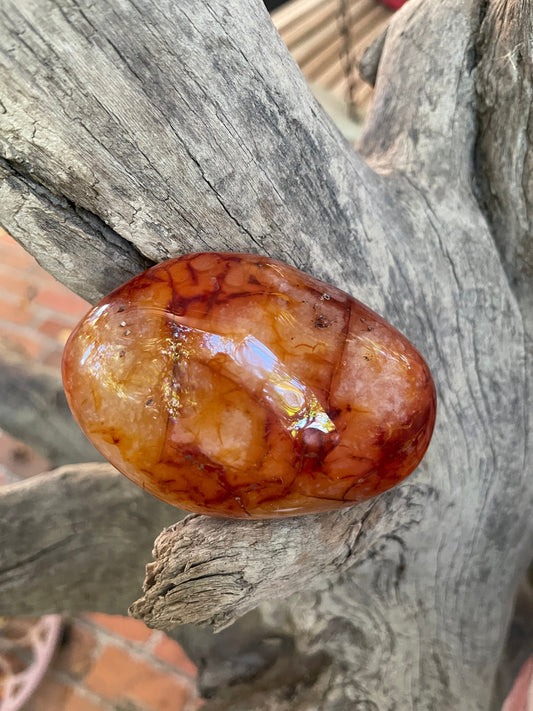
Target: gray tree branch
(504, 150)
(194, 130)
(213, 571)
(369, 62)
(75, 540)
(33, 407)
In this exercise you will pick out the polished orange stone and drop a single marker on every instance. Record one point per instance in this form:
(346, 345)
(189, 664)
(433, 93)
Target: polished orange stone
(236, 385)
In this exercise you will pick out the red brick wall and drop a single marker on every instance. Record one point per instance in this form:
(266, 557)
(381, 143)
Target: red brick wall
(37, 313)
(105, 663)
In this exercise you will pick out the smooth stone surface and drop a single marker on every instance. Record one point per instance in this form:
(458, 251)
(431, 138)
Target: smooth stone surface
(235, 385)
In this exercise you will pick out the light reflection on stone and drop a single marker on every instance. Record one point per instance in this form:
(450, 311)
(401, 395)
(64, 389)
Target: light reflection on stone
(238, 386)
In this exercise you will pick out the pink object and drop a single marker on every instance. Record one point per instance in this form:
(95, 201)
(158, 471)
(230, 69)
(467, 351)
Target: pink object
(393, 4)
(37, 638)
(521, 695)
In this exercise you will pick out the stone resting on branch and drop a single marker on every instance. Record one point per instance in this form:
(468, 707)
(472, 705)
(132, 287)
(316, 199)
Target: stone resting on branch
(131, 132)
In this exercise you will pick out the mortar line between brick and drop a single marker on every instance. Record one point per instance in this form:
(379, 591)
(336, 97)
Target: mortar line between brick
(137, 650)
(77, 686)
(153, 640)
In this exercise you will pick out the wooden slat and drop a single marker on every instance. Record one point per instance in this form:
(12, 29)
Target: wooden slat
(325, 38)
(290, 14)
(311, 29)
(326, 57)
(360, 40)
(307, 27)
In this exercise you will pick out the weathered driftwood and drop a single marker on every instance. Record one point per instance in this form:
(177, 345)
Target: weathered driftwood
(33, 407)
(369, 62)
(186, 583)
(74, 540)
(504, 150)
(130, 132)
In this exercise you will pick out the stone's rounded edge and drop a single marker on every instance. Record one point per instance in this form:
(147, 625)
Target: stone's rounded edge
(258, 391)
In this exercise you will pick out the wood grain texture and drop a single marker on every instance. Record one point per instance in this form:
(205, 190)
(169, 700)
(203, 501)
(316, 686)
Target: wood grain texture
(74, 540)
(369, 62)
(187, 554)
(194, 130)
(504, 154)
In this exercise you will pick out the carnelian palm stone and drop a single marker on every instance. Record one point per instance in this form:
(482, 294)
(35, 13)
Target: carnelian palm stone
(236, 385)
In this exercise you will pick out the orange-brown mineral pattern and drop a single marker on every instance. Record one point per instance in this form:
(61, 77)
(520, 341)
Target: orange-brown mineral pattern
(235, 385)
